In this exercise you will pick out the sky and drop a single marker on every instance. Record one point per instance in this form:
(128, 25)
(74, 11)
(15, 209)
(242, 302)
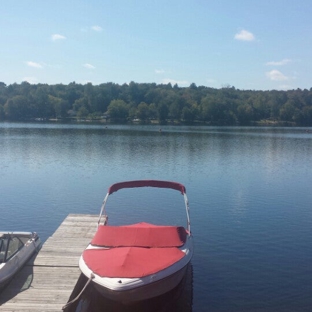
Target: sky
(248, 44)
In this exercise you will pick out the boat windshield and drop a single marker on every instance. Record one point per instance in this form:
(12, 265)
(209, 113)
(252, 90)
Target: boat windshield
(3, 248)
(10, 245)
(15, 244)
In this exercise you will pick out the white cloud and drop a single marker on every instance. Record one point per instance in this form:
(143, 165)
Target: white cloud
(276, 75)
(159, 71)
(31, 80)
(92, 28)
(173, 82)
(279, 63)
(56, 37)
(34, 64)
(96, 28)
(244, 35)
(89, 66)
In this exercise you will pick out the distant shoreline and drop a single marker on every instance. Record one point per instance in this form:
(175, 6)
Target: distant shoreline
(262, 123)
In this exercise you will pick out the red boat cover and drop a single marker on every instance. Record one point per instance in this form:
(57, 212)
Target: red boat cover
(139, 235)
(130, 261)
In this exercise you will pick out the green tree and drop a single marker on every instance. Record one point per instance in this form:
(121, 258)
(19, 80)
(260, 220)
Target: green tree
(162, 112)
(187, 114)
(132, 113)
(174, 110)
(41, 104)
(82, 113)
(287, 111)
(213, 109)
(118, 110)
(59, 106)
(72, 93)
(304, 117)
(143, 111)
(193, 86)
(152, 111)
(79, 103)
(244, 114)
(17, 108)
(3, 99)
(2, 112)
(90, 98)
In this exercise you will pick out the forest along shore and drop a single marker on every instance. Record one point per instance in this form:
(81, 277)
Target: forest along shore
(154, 103)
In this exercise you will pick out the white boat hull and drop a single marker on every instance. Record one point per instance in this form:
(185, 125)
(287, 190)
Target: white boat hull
(129, 290)
(144, 292)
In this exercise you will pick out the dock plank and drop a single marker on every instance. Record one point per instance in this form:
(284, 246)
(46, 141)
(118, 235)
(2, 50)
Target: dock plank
(46, 283)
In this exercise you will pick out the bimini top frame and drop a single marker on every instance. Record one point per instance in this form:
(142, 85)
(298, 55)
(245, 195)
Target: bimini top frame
(148, 183)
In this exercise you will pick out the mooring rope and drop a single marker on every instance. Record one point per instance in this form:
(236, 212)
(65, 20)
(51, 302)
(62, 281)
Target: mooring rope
(78, 296)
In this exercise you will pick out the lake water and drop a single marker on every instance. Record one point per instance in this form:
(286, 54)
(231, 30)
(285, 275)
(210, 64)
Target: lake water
(250, 194)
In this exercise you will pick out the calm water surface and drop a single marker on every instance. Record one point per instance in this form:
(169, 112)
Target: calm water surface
(250, 193)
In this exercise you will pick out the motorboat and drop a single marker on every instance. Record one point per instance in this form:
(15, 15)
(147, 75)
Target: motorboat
(135, 262)
(16, 248)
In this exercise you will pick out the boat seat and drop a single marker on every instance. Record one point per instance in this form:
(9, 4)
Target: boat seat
(130, 262)
(140, 235)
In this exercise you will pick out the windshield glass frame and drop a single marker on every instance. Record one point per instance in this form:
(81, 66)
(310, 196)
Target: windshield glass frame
(4, 243)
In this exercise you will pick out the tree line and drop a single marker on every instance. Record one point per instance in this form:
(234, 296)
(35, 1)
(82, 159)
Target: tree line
(146, 102)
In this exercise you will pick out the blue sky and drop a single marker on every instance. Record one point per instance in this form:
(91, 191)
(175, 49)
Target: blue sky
(248, 44)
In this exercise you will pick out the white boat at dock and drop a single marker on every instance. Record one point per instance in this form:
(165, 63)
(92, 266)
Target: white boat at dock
(16, 248)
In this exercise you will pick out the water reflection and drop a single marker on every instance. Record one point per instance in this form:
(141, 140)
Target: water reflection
(249, 190)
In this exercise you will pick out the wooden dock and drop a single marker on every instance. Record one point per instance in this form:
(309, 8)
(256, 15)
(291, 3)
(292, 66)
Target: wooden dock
(47, 281)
